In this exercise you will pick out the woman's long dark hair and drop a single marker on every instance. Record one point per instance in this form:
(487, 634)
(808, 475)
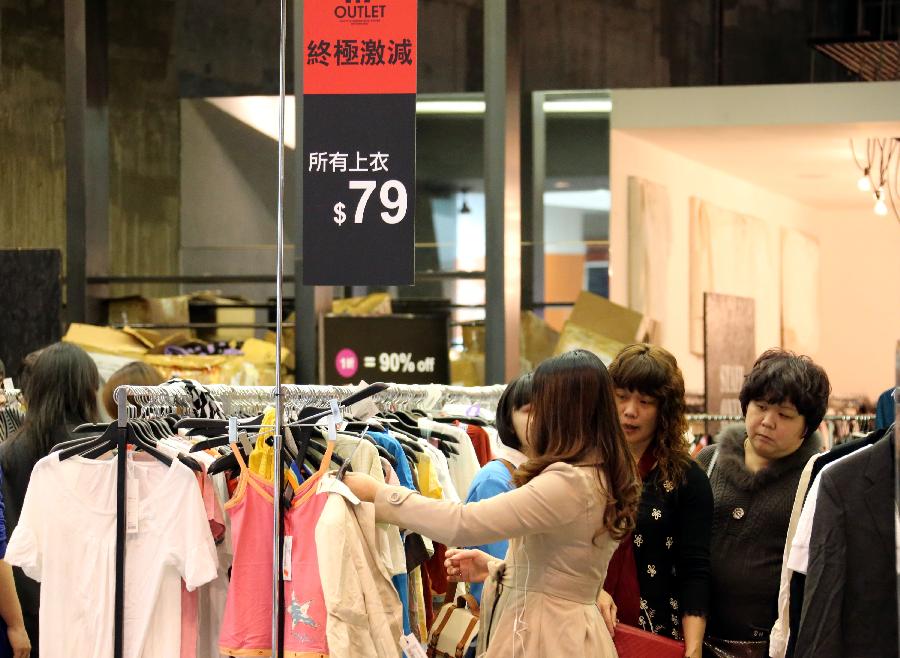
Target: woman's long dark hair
(574, 420)
(61, 389)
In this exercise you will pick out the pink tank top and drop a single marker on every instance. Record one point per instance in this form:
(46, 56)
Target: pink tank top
(305, 613)
(247, 625)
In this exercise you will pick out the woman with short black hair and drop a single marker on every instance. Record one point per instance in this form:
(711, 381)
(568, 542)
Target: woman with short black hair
(754, 471)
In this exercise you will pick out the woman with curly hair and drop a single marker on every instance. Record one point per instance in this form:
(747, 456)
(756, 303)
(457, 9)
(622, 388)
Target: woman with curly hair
(576, 498)
(659, 579)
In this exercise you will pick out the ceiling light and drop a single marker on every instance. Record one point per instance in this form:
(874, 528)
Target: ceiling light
(880, 169)
(450, 107)
(864, 184)
(881, 208)
(578, 106)
(464, 208)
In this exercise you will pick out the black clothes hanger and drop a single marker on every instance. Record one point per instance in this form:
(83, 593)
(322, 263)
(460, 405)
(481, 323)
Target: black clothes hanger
(89, 427)
(93, 447)
(469, 420)
(358, 426)
(406, 418)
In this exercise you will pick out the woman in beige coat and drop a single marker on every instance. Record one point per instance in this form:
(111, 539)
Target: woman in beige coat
(576, 497)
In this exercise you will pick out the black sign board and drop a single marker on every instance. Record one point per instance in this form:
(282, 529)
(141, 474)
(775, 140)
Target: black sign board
(402, 349)
(359, 142)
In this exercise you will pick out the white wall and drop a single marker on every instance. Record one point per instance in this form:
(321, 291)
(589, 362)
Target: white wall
(860, 260)
(860, 256)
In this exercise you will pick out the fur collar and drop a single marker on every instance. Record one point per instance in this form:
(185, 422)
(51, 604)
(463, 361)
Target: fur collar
(731, 459)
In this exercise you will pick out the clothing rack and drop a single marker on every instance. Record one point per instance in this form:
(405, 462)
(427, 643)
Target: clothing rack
(251, 400)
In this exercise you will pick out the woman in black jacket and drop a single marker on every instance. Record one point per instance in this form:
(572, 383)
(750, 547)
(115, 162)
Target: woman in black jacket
(659, 578)
(60, 393)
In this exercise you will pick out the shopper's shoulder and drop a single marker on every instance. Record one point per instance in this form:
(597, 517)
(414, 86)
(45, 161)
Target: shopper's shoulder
(695, 474)
(705, 456)
(492, 473)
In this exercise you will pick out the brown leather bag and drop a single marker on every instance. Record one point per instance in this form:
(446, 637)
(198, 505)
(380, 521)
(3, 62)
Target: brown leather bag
(454, 628)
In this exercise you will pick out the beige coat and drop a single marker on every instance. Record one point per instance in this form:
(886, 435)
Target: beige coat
(364, 613)
(540, 601)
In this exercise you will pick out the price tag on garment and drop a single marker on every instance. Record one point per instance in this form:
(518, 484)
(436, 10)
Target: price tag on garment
(411, 647)
(132, 506)
(364, 409)
(245, 442)
(286, 561)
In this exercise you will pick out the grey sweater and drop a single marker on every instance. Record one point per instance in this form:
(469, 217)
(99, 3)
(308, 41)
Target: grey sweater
(750, 523)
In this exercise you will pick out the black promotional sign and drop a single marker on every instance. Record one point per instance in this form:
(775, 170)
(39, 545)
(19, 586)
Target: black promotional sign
(403, 349)
(359, 122)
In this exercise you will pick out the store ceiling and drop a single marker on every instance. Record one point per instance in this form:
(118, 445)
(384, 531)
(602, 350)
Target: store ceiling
(810, 163)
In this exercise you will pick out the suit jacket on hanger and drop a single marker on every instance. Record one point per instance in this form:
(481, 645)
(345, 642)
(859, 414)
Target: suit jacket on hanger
(850, 604)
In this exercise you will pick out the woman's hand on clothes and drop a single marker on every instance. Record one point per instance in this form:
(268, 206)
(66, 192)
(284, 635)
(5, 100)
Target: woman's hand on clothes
(608, 610)
(363, 486)
(18, 640)
(467, 564)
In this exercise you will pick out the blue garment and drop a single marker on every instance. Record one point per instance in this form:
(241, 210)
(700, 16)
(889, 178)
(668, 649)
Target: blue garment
(493, 479)
(884, 410)
(404, 474)
(392, 445)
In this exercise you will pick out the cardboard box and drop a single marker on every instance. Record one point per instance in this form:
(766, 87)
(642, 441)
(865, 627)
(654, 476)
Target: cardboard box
(105, 340)
(138, 310)
(378, 303)
(222, 314)
(602, 327)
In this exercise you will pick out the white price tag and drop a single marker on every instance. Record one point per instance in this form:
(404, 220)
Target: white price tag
(245, 442)
(132, 506)
(8, 384)
(287, 570)
(364, 409)
(411, 647)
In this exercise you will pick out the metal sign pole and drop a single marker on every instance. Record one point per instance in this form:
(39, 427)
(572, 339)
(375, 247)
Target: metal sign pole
(279, 293)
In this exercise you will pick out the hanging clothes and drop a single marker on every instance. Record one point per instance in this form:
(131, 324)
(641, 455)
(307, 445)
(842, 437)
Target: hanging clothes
(169, 541)
(304, 611)
(247, 626)
(464, 465)
(364, 611)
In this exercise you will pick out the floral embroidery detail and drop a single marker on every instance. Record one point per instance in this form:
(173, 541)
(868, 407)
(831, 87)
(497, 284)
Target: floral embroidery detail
(668, 486)
(642, 623)
(656, 514)
(673, 603)
(651, 569)
(669, 542)
(638, 540)
(674, 624)
(643, 604)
